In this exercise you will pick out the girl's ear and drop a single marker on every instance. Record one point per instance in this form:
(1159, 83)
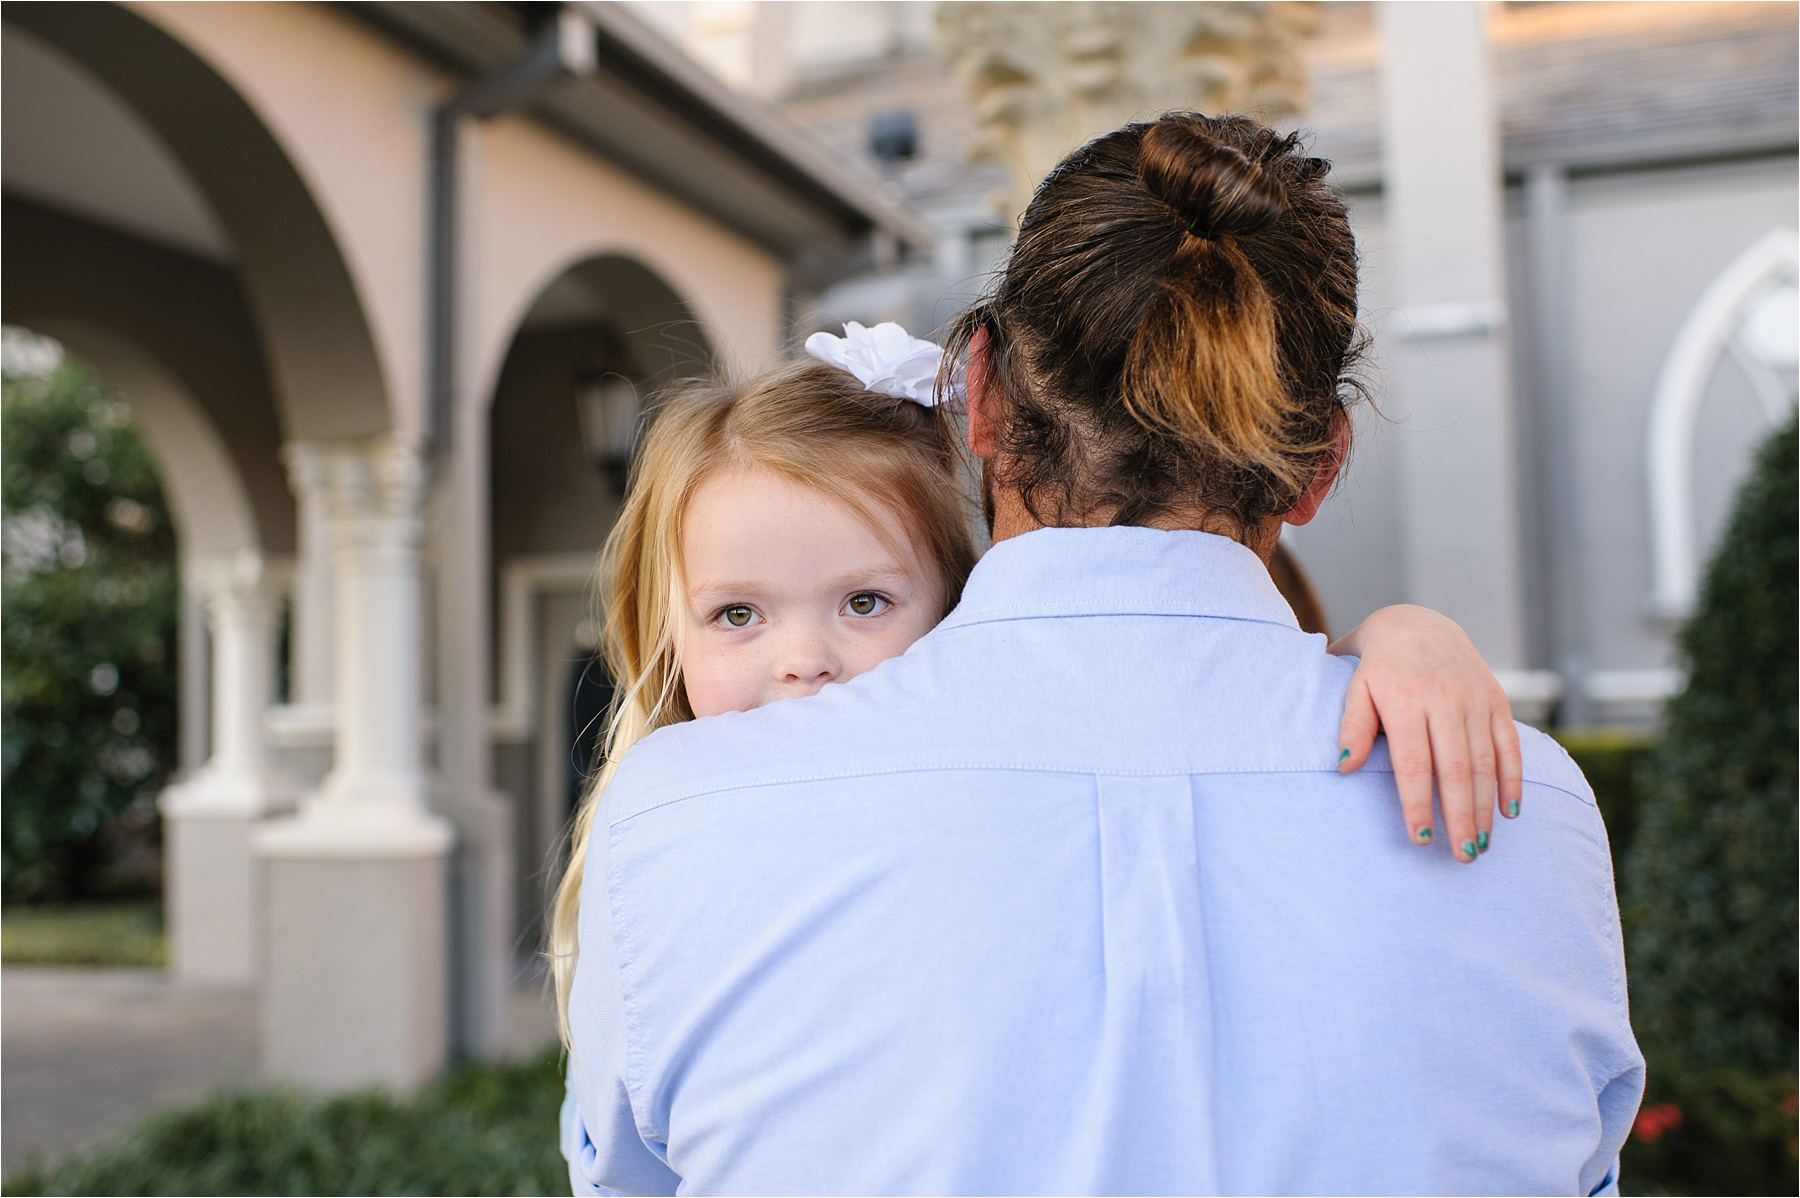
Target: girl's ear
(983, 426)
(1313, 498)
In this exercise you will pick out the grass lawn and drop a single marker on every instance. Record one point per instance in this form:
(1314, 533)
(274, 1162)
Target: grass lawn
(84, 934)
(481, 1129)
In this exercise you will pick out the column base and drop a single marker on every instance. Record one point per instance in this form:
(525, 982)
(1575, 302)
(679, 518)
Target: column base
(355, 981)
(209, 898)
(210, 891)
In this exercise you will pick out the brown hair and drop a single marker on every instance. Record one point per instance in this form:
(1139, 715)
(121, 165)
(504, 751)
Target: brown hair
(810, 423)
(1175, 330)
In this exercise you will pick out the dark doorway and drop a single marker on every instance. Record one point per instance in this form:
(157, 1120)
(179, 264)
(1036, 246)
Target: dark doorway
(590, 706)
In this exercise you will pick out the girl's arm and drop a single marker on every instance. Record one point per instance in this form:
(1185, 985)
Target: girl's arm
(1422, 683)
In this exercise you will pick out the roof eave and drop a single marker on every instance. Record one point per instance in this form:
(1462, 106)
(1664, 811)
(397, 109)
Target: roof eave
(654, 111)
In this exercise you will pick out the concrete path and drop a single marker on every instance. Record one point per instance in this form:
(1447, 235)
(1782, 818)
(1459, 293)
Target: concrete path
(85, 1053)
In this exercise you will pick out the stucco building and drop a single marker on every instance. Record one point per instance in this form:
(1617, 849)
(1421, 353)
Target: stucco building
(383, 283)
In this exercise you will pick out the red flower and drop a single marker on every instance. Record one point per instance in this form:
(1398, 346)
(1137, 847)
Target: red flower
(1655, 1122)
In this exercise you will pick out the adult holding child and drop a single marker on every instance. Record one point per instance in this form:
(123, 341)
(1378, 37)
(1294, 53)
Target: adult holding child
(1072, 896)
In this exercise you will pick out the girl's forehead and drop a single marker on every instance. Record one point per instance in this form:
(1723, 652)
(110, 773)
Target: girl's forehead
(750, 511)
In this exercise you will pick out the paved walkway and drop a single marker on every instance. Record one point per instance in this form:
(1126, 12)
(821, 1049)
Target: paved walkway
(85, 1053)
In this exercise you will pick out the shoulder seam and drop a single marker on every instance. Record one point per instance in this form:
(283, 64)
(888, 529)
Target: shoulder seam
(959, 767)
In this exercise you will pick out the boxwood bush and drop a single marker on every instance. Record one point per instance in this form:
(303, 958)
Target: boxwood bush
(1709, 879)
(478, 1130)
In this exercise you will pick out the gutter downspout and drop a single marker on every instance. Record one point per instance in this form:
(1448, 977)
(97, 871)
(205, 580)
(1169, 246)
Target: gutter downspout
(480, 911)
(565, 48)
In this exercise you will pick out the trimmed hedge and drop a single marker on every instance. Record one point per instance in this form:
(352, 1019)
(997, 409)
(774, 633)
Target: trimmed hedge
(1708, 882)
(479, 1130)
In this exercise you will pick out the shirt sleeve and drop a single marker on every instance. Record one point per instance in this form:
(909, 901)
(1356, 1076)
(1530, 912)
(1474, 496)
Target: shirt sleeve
(607, 1153)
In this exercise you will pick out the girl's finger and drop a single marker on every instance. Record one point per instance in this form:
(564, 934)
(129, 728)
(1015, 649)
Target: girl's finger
(1455, 784)
(1511, 770)
(1357, 731)
(1409, 748)
(1482, 765)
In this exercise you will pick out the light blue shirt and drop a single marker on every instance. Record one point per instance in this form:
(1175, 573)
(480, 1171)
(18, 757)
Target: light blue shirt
(1070, 898)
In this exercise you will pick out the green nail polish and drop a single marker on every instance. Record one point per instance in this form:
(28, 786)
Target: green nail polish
(1512, 808)
(1468, 849)
(1343, 756)
(1424, 835)
(1481, 841)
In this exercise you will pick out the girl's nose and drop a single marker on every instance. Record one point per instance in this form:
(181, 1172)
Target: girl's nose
(807, 660)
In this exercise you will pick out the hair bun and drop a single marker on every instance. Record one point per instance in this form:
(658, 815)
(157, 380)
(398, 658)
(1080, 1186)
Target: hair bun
(1213, 188)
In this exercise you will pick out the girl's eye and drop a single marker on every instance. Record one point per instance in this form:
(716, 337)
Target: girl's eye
(738, 615)
(868, 603)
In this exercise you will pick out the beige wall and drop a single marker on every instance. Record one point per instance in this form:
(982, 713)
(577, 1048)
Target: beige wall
(534, 203)
(537, 205)
(358, 141)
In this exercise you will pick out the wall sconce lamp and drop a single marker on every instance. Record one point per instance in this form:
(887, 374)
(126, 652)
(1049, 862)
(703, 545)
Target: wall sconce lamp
(607, 406)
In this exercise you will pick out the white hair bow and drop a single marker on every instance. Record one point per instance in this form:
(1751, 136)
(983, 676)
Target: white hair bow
(886, 359)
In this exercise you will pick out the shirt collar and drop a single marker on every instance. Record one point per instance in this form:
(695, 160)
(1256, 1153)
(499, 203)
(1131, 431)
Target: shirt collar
(1058, 572)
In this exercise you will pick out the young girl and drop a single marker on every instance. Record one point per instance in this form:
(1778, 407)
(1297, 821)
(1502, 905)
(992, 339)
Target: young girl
(805, 527)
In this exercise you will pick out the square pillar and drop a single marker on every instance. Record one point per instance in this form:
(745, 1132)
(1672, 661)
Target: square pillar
(1451, 372)
(210, 894)
(355, 981)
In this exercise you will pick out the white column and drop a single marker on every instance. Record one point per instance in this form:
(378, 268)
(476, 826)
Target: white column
(356, 985)
(209, 872)
(311, 668)
(1442, 190)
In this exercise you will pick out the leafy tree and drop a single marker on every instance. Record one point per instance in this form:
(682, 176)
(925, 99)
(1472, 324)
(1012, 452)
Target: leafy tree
(87, 645)
(1709, 881)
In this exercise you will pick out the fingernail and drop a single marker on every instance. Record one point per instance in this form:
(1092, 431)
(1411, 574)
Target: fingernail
(1343, 756)
(1481, 841)
(1512, 808)
(1468, 850)
(1424, 835)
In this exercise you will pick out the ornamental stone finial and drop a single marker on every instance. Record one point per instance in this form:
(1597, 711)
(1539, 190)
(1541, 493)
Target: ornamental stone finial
(1044, 78)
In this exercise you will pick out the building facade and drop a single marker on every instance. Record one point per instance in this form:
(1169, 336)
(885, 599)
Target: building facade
(383, 285)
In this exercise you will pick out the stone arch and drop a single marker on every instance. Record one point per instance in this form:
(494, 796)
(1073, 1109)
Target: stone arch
(605, 313)
(1727, 320)
(172, 333)
(207, 497)
(552, 506)
(322, 362)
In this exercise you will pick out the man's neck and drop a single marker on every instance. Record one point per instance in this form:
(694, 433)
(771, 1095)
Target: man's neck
(1012, 518)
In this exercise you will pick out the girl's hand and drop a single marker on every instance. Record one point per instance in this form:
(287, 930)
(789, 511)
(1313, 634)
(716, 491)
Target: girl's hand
(1422, 682)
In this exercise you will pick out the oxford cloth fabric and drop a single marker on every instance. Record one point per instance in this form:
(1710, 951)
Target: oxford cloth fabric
(1071, 899)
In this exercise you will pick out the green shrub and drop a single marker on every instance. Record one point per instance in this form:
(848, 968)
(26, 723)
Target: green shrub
(1613, 762)
(479, 1130)
(88, 642)
(1709, 881)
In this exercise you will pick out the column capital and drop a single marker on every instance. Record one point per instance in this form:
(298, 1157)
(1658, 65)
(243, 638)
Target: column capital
(232, 582)
(370, 491)
(306, 467)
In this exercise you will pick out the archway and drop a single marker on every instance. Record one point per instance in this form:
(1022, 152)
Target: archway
(155, 225)
(607, 320)
(1748, 316)
(322, 366)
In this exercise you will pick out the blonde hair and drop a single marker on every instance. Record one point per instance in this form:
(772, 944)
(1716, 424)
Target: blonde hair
(808, 422)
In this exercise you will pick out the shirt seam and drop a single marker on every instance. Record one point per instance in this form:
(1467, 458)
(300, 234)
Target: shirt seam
(637, 1066)
(1098, 610)
(964, 767)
